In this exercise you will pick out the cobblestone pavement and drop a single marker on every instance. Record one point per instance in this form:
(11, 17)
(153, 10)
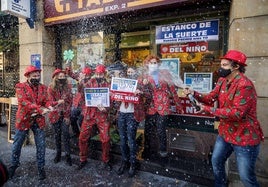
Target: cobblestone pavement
(62, 175)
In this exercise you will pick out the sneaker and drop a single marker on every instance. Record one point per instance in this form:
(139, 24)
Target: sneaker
(42, 174)
(132, 171)
(123, 167)
(163, 154)
(11, 171)
(57, 158)
(81, 165)
(69, 160)
(107, 166)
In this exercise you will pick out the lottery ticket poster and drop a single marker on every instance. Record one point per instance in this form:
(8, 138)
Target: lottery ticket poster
(95, 97)
(124, 85)
(201, 82)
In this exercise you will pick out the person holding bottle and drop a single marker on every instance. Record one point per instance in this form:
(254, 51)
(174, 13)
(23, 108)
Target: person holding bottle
(239, 130)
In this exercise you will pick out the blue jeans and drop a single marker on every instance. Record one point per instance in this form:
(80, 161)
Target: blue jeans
(245, 158)
(40, 142)
(62, 127)
(127, 126)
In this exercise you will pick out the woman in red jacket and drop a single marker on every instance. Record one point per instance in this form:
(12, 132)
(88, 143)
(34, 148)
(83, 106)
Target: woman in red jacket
(59, 89)
(239, 130)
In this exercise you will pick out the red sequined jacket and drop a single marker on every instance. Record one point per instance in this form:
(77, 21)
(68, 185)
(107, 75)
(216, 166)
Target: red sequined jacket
(31, 102)
(237, 110)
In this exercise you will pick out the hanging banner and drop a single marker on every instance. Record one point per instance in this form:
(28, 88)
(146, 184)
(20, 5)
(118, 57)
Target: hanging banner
(188, 32)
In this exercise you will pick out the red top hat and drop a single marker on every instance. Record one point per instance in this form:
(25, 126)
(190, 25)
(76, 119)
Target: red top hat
(87, 71)
(100, 69)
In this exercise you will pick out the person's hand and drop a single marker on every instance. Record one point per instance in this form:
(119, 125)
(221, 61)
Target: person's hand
(67, 121)
(101, 108)
(201, 107)
(45, 111)
(137, 92)
(186, 91)
(61, 101)
(145, 81)
(50, 108)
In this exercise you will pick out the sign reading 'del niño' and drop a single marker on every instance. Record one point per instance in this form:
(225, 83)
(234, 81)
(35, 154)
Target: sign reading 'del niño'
(124, 89)
(96, 97)
(188, 32)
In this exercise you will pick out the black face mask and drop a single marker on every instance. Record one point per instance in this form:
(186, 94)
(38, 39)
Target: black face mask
(86, 79)
(62, 81)
(133, 76)
(99, 80)
(35, 82)
(224, 72)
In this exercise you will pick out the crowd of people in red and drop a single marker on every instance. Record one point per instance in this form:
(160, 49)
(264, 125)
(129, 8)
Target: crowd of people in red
(158, 98)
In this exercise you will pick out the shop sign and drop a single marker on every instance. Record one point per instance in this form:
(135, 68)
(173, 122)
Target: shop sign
(191, 47)
(36, 60)
(124, 90)
(60, 11)
(19, 8)
(96, 97)
(188, 32)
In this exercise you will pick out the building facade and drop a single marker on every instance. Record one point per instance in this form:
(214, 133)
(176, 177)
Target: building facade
(106, 31)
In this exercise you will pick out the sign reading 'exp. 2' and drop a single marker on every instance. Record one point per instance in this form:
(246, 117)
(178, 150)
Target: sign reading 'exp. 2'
(188, 32)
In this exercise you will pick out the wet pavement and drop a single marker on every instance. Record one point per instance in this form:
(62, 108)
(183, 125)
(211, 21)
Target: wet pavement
(61, 174)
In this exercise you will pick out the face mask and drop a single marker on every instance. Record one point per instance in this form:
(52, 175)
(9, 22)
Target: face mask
(132, 76)
(224, 72)
(62, 81)
(99, 80)
(153, 68)
(35, 82)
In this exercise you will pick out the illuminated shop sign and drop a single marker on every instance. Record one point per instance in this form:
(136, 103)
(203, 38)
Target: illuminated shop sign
(188, 32)
(191, 47)
(59, 11)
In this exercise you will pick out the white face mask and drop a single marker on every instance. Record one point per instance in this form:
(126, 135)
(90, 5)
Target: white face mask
(152, 68)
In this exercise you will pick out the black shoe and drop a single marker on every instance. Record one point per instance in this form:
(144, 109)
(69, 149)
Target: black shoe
(42, 174)
(81, 165)
(57, 158)
(69, 160)
(107, 166)
(123, 167)
(132, 170)
(11, 171)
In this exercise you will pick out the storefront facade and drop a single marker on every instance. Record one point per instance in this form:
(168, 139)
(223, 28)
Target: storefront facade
(189, 35)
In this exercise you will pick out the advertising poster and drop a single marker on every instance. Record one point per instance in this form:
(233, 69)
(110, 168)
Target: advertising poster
(171, 64)
(95, 97)
(124, 89)
(201, 82)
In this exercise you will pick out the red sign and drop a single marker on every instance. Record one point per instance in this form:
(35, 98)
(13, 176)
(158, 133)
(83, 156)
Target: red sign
(191, 47)
(125, 97)
(190, 110)
(60, 11)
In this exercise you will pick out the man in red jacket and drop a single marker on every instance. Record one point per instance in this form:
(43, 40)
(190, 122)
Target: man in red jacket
(239, 130)
(95, 116)
(33, 103)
